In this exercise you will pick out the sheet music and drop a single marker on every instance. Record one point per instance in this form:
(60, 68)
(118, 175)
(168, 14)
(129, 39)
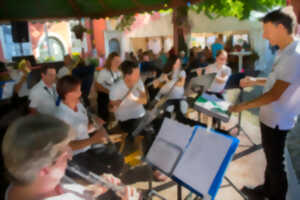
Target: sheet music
(162, 155)
(202, 160)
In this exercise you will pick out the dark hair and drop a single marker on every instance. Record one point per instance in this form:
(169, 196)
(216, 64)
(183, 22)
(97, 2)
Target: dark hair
(285, 16)
(221, 52)
(127, 67)
(109, 59)
(169, 65)
(45, 68)
(66, 84)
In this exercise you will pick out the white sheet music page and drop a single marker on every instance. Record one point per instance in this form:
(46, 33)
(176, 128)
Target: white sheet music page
(202, 160)
(162, 155)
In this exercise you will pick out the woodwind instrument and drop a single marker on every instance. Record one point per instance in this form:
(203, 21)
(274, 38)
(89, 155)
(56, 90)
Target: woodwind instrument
(93, 178)
(160, 79)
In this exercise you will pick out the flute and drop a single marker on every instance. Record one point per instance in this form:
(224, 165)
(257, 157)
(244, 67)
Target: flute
(160, 79)
(93, 178)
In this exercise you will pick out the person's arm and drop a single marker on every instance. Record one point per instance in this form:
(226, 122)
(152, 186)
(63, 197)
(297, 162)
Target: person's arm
(98, 137)
(251, 81)
(101, 88)
(272, 95)
(19, 84)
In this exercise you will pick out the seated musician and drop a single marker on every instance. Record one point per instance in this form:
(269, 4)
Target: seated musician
(36, 151)
(71, 111)
(128, 96)
(175, 93)
(127, 100)
(105, 79)
(223, 73)
(43, 95)
(20, 76)
(66, 69)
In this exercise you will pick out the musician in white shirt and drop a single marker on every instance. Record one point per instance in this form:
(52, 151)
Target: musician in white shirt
(71, 111)
(106, 78)
(35, 151)
(223, 73)
(128, 97)
(43, 95)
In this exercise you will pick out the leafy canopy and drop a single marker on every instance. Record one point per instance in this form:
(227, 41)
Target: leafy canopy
(237, 8)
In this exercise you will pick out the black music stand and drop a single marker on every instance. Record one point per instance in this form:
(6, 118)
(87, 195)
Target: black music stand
(234, 83)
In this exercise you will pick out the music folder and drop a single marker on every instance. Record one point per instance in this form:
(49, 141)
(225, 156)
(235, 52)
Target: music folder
(194, 157)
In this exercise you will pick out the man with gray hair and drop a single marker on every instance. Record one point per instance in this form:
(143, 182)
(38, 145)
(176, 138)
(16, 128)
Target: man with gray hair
(36, 152)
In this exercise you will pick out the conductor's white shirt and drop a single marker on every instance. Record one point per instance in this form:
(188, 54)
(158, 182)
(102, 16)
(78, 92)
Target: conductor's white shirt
(283, 112)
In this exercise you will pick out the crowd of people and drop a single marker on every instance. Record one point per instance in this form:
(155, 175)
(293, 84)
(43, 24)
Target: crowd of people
(37, 148)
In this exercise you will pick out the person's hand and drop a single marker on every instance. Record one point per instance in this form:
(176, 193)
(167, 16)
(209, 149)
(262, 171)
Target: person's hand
(165, 77)
(236, 108)
(156, 83)
(99, 136)
(113, 107)
(133, 97)
(199, 71)
(131, 193)
(247, 82)
(100, 121)
(112, 179)
(96, 190)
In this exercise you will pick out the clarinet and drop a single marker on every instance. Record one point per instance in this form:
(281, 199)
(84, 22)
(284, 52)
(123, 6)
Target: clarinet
(93, 118)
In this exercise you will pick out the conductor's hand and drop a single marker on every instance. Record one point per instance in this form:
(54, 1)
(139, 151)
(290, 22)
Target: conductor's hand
(199, 72)
(247, 82)
(99, 136)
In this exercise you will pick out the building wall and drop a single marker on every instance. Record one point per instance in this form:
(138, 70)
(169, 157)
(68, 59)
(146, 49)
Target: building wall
(99, 28)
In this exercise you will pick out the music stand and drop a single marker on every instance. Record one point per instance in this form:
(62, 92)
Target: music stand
(234, 83)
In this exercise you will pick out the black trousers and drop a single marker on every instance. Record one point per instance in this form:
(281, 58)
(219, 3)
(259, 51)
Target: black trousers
(103, 101)
(273, 142)
(130, 125)
(179, 116)
(99, 163)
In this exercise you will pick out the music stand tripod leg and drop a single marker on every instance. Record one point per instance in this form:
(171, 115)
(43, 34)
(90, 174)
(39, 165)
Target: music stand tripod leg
(179, 192)
(235, 188)
(152, 192)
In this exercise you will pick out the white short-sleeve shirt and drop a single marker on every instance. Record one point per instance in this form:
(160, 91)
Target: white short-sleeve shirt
(283, 112)
(17, 75)
(178, 91)
(129, 109)
(43, 98)
(78, 121)
(218, 87)
(63, 71)
(107, 78)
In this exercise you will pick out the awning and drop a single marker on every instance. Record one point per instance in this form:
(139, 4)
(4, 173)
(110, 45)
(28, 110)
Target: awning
(61, 9)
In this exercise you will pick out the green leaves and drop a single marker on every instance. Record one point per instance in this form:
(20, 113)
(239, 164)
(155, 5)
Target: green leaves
(237, 8)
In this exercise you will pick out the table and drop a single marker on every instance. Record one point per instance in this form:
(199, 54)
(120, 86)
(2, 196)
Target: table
(240, 55)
